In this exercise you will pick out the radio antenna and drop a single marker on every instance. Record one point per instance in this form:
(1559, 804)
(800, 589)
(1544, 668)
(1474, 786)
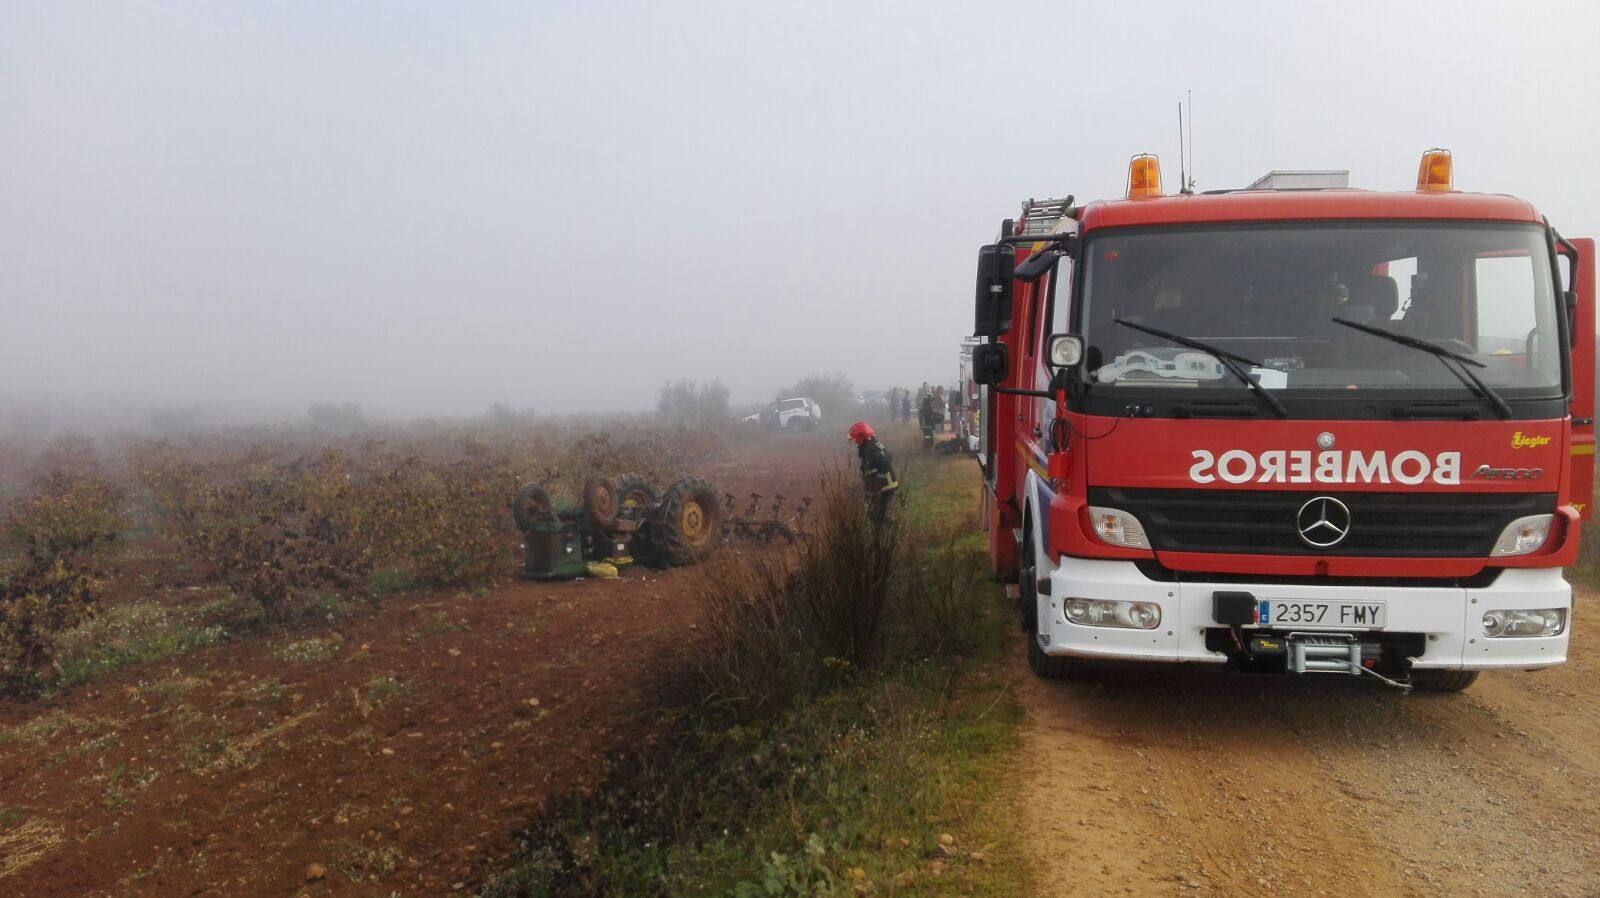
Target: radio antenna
(1183, 176)
(1190, 186)
(1186, 160)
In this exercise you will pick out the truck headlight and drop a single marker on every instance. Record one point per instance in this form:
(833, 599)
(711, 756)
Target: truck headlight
(1523, 535)
(1109, 613)
(1524, 622)
(1117, 528)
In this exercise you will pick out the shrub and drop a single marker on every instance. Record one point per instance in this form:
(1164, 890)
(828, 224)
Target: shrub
(446, 520)
(844, 574)
(777, 628)
(834, 392)
(269, 530)
(51, 584)
(752, 657)
(686, 403)
(336, 416)
(939, 603)
(69, 515)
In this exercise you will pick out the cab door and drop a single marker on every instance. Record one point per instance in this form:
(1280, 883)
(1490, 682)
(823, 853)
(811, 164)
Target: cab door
(1581, 482)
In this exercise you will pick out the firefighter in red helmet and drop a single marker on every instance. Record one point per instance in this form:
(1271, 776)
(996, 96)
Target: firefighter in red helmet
(877, 470)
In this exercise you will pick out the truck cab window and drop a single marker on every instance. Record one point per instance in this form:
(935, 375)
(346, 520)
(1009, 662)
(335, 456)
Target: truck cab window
(1504, 303)
(1272, 295)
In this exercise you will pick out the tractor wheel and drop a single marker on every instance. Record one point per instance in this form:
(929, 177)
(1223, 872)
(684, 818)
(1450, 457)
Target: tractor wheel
(687, 526)
(600, 502)
(634, 492)
(531, 506)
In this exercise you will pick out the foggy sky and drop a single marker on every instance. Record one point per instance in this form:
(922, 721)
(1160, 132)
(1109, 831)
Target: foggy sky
(426, 208)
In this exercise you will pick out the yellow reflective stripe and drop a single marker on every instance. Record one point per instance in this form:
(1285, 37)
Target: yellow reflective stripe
(1583, 449)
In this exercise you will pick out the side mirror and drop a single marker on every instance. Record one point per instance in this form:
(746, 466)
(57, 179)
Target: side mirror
(1063, 350)
(989, 365)
(1044, 261)
(992, 314)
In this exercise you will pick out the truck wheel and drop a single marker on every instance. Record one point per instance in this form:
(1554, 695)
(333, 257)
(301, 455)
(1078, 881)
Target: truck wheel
(688, 523)
(1047, 667)
(1442, 680)
(531, 506)
(634, 496)
(600, 502)
(796, 424)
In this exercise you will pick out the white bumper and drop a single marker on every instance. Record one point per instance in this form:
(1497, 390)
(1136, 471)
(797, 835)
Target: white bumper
(1451, 618)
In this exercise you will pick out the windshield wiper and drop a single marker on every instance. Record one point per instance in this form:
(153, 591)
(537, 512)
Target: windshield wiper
(1228, 360)
(1469, 380)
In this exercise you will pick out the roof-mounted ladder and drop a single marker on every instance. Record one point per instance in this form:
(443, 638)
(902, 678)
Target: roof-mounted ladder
(1041, 216)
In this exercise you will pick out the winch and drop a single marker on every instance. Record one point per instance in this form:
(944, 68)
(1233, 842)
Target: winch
(1331, 653)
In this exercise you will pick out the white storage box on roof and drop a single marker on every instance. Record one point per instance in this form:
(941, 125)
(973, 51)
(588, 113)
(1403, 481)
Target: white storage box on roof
(1302, 179)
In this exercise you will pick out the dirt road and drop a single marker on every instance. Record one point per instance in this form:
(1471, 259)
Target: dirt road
(1185, 781)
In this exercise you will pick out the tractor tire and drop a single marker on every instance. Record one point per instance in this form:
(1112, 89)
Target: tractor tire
(633, 492)
(1443, 680)
(531, 506)
(687, 525)
(600, 502)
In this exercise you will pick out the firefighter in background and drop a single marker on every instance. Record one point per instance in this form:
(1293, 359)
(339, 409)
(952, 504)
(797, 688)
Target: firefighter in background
(927, 410)
(905, 405)
(877, 470)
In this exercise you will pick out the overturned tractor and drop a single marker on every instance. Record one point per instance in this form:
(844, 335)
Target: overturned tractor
(621, 518)
(618, 519)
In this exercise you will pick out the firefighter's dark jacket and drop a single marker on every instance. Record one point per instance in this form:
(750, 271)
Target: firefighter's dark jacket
(877, 469)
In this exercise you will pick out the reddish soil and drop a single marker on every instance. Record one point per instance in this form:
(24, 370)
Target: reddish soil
(396, 751)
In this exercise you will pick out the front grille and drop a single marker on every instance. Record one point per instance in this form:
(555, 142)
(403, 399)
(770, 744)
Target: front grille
(1252, 522)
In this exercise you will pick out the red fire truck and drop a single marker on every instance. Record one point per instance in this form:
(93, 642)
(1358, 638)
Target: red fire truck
(1288, 430)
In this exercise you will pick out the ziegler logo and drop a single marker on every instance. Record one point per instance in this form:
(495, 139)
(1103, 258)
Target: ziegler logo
(1519, 440)
(1328, 466)
(1488, 473)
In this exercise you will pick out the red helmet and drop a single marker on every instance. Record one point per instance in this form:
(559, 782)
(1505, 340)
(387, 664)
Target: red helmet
(860, 432)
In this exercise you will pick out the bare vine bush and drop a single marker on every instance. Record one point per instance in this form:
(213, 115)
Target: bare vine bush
(446, 519)
(269, 529)
(50, 579)
(273, 529)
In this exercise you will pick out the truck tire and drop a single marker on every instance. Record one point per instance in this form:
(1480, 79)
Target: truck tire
(1046, 667)
(687, 525)
(634, 492)
(600, 502)
(1442, 680)
(531, 506)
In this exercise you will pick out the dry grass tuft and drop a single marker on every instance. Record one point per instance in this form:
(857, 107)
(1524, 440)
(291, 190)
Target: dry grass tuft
(24, 845)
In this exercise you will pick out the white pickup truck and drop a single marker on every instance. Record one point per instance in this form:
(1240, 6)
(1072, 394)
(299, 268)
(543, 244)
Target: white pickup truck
(792, 414)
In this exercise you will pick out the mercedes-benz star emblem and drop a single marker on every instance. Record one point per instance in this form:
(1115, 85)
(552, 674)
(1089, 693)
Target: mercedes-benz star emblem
(1324, 440)
(1323, 522)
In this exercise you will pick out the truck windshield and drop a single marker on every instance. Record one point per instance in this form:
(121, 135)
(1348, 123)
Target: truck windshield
(1271, 294)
